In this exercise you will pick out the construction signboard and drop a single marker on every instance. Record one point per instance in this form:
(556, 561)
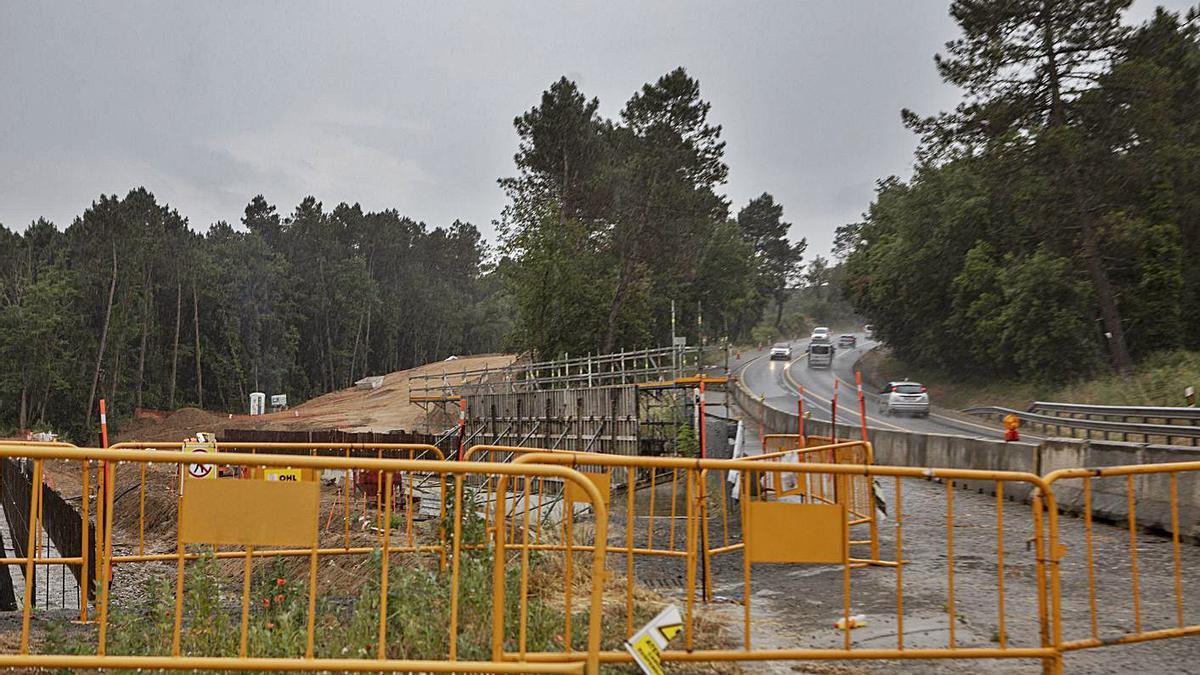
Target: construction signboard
(647, 644)
(201, 471)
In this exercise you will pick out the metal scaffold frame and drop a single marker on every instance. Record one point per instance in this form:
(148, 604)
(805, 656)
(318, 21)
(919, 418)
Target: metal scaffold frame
(659, 367)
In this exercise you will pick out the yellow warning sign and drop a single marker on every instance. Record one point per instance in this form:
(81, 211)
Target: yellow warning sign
(201, 470)
(647, 644)
(670, 631)
(647, 654)
(296, 475)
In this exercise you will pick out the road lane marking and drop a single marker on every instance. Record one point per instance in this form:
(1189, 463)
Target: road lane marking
(951, 420)
(787, 373)
(792, 386)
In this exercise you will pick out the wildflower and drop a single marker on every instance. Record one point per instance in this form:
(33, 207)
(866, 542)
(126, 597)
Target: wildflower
(266, 603)
(280, 582)
(279, 599)
(270, 625)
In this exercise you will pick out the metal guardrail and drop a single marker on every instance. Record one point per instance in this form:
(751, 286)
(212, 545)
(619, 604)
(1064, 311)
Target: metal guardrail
(1127, 413)
(1125, 430)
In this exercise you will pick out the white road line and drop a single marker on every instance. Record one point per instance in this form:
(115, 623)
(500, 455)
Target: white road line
(787, 374)
(795, 386)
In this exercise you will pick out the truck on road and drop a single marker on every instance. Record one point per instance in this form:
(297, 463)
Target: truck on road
(820, 353)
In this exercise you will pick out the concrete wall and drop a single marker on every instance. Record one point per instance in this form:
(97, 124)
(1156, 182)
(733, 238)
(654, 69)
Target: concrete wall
(1109, 495)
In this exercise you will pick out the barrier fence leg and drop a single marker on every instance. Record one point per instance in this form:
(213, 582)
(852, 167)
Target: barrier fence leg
(706, 563)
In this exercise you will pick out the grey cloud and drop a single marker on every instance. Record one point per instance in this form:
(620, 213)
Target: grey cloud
(410, 105)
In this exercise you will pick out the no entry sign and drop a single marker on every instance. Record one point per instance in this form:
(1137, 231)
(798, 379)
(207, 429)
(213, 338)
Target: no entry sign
(201, 470)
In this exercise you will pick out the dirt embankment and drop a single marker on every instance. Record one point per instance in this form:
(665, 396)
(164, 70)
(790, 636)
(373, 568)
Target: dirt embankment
(358, 410)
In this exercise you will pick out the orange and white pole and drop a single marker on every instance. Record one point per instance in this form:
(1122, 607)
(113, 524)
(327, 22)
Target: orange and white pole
(102, 502)
(762, 422)
(703, 452)
(103, 424)
(800, 412)
(833, 413)
(862, 403)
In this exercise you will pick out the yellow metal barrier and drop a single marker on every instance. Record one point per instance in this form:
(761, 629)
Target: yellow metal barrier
(369, 506)
(762, 527)
(230, 517)
(858, 492)
(1133, 609)
(532, 505)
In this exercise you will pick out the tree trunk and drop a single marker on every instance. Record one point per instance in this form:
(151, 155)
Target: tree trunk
(628, 265)
(115, 380)
(141, 372)
(367, 343)
(196, 327)
(22, 417)
(329, 356)
(1110, 314)
(112, 291)
(354, 352)
(1107, 300)
(175, 345)
(1057, 114)
(41, 415)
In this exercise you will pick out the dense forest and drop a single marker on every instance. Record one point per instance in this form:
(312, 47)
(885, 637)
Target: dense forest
(130, 304)
(1052, 225)
(612, 222)
(608, 223)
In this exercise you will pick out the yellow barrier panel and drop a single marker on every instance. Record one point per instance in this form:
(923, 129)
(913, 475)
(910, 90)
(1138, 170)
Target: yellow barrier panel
(223, 497)
(249, 512)
(858, 495)
(349, 505)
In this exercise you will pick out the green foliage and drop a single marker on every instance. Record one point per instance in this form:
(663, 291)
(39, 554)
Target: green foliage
(1158, 380)
(301, 305)
(608, 222)
(686, 443)
(1051, 213)
(417, 624)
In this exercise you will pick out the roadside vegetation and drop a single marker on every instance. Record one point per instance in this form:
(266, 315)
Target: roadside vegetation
(1049, 231)
(1157, 380)
(347, 620)
(609, 222)
(130, 304)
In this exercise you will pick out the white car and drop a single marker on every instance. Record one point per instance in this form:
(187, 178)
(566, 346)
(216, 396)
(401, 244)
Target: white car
(781, 351)
(820, 333)
(904, 397)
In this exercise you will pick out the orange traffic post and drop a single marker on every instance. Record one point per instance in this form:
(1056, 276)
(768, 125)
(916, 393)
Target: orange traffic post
(862, 403)
(800, 411)
(833, 412)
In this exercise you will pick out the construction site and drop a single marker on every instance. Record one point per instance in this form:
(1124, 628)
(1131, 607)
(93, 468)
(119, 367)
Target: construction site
(643, 510)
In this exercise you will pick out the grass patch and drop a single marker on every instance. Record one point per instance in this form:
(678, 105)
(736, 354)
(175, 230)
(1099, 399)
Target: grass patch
(347, 624)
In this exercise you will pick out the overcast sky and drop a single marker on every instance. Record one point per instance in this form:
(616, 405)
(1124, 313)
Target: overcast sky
(410, 105)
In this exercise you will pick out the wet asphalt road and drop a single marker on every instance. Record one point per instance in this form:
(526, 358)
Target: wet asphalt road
(779, 383)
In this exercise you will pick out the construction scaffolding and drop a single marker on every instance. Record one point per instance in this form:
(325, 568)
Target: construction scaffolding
(628, 403)
(659, 367)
